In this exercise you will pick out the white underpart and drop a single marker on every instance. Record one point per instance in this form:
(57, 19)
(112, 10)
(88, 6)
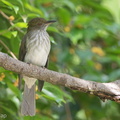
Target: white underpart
(38, 48)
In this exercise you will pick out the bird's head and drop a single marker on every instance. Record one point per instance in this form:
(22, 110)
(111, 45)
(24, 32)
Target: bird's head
(38, 23)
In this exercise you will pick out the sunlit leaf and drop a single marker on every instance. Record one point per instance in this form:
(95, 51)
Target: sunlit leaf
(21, 25)
(33, 9)
(114, 7)
(16, 8)
(14, 33)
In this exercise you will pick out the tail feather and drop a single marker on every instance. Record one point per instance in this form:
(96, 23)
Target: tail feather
(28, 104)
(40, 85)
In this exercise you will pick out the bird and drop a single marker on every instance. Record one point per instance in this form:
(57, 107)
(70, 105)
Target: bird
(34, 49)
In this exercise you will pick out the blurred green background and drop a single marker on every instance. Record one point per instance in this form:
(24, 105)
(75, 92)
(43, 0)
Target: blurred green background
(85, 44)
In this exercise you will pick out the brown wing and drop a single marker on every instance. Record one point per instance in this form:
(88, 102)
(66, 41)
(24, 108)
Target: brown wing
(22, 52)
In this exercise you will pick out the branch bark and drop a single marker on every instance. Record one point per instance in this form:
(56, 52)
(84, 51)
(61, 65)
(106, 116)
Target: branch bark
(109, 91)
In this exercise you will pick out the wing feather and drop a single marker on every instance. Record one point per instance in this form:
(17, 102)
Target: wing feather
(22, 53)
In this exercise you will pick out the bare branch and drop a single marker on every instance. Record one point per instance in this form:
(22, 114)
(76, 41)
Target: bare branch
(109, 91)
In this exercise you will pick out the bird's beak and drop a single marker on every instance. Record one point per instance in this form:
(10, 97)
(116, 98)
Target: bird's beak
(50, 21)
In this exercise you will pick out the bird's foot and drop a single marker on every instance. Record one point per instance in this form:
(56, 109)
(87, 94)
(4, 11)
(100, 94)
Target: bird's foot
(29, 63)
(43, 67)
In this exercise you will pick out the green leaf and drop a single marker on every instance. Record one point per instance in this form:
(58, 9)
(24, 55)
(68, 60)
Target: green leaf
(16, 8)
(52, 29)
(7, 34)
(114, 7)
(64, 15)
(114, 75)
(53, 93)
(52, 40)
(75, 35)
(14, 33)
(21, 25)
(14, 89)
(8, 110)
(33, 9)
(7, 3)
(62, 3)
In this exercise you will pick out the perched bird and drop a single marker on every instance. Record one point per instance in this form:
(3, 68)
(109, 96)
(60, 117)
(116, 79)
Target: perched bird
(34, 49)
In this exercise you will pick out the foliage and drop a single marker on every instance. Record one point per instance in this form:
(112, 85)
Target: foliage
(85, 44)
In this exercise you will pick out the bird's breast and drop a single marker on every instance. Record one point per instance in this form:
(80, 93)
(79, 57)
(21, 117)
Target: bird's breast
(38, 48)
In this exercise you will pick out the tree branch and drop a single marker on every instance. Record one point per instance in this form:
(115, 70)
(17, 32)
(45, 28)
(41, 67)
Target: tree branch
(109, 91)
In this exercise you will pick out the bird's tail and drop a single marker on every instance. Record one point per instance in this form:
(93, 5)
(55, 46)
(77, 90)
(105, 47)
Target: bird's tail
(40, 85)
(28, 104)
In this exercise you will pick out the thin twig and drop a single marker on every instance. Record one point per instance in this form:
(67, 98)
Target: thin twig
(4, 15)
(11, 23)
(9, 51)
